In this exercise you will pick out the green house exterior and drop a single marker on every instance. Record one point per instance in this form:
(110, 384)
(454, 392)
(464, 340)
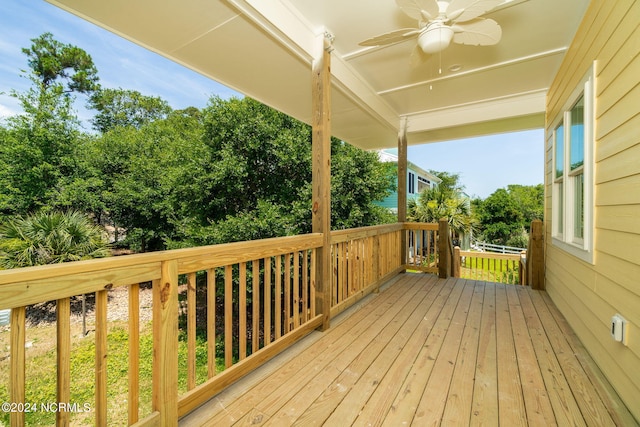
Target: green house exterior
(417, 180)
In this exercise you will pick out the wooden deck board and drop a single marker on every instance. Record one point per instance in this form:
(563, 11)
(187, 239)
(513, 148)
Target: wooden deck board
(428, 351)
(510, 399)
(484, 410)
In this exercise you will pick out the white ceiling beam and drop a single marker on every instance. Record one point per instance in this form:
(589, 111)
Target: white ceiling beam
(283, 22)
(524, 104)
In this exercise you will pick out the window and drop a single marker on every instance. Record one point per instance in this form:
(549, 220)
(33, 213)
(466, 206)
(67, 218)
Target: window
(412, 183)
(572, 195)
(423, 183)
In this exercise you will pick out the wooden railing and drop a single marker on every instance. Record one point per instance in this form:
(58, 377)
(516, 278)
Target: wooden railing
(217, 312)
(362, 259)
(488, 266)
(525, 268)
(257, 299)
(422, 240)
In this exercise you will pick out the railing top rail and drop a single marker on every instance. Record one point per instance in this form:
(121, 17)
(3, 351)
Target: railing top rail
(31, 285)
(420, 225)
(338, 236)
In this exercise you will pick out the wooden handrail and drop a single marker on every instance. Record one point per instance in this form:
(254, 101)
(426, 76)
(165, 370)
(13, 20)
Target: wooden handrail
(262, 289)
(362, 259)
(31, 285)
(489, 266)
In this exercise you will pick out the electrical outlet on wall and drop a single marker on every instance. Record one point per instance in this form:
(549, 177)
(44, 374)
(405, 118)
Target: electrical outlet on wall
(619, 329)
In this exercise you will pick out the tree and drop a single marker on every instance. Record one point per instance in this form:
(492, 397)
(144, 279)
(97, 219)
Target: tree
(120, 108)
(433, 204)
(255, 181)
(50, 238)
(144, 178)
(450, 183)
(51, 61)
(37, 148)
(36, 151)
(507, 213)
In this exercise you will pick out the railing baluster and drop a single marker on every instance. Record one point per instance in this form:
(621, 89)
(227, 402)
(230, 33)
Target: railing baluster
(344, 254)
(312, 279)
(101, 357)
(17, 360)
(287, 293)
(228, 316)
(296, 290)
(134, 354)
(255, 305)
(191, 331)
(211, 322)
(278, 299)
(63, 352)
(242, 301)
(267, 301)
(305, 286)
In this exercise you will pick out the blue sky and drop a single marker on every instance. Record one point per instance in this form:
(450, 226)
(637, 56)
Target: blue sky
(484, 164)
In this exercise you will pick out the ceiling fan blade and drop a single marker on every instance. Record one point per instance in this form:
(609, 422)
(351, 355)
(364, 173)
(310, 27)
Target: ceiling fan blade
(419, 10)
(479, 32)
(466, 10)
(391, 37)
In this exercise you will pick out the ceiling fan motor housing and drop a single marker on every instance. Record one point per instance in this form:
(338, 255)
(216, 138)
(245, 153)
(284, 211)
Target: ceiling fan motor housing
(435, 37)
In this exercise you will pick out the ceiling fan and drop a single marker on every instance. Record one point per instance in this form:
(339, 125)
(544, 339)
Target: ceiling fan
(440, 22)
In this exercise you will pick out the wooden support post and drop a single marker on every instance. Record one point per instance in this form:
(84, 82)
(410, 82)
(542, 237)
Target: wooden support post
(535, 256)
(165, 344)
(402, 186)
(444, 251)
(522, 269)
(321, 175)
(456, 261)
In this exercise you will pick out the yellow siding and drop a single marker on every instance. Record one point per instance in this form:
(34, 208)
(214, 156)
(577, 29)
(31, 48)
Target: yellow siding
(588, 295)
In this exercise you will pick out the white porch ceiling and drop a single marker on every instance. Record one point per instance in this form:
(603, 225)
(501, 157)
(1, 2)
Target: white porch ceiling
(264, 49)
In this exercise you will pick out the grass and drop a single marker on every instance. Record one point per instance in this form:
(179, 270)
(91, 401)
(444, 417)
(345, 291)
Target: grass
(479, 268)
(41, 373)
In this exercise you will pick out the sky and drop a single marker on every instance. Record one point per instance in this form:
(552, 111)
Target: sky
(485, 164)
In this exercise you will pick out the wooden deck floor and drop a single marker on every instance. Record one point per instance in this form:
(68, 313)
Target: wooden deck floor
(427, 351)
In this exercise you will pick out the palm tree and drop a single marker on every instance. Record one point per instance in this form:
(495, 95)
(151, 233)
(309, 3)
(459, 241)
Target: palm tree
(50, 238)
(432, 204)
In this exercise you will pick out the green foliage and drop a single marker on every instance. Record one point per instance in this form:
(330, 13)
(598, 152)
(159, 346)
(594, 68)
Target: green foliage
(236, 170)
(255, 153)
(51, 61)
(358, 180)
(37, 150)
(50, 238)
(507, 213)
(144, 177)
(444, 201)
(122, 108)
(255, 180)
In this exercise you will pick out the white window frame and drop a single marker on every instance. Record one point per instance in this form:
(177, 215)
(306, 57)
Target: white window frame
(563, 187)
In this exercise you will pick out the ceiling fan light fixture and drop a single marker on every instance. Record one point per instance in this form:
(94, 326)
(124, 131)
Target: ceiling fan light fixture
(435, 37)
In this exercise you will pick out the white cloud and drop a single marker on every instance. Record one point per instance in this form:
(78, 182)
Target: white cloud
(6, 112)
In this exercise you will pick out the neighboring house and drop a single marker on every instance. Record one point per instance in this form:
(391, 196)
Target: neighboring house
(592, 179)
(417, 180)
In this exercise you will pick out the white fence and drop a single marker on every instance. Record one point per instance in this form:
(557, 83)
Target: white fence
(488, 247)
